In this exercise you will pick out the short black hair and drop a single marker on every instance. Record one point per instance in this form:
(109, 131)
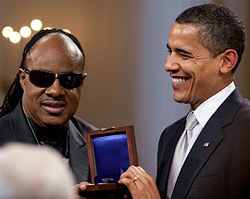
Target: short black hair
(15, 91)
(219, 28)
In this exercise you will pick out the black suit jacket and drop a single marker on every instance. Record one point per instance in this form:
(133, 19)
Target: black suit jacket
(14, 128)
(218, 165)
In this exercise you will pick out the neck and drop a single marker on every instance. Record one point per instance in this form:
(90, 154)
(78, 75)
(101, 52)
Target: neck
(57, 138)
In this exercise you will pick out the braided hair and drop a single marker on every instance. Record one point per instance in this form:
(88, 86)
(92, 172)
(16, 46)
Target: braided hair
(15, 91)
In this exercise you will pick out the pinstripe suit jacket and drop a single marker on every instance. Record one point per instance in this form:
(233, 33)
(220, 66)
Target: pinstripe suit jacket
(218, 165)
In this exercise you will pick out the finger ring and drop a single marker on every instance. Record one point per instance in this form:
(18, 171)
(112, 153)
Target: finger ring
(135, 178)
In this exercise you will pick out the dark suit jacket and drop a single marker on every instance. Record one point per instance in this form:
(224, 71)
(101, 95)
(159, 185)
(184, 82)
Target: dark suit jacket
(218, 165)
(14, 128)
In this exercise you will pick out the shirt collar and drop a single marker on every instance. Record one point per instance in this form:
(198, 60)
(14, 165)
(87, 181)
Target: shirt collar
(208, 108)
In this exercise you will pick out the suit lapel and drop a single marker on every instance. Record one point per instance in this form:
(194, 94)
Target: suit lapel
(205, 144)
(21, 132)
(209, 138)
(19, 128)
(78, 154)
(168, 142)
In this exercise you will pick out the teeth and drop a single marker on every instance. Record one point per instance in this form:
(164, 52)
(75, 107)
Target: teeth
(178, 80)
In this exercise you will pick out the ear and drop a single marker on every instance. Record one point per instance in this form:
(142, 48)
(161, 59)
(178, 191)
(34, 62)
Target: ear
(22, 77)
(228, 61)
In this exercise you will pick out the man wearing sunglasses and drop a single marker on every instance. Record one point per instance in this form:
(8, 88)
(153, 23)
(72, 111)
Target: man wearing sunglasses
(40, 105)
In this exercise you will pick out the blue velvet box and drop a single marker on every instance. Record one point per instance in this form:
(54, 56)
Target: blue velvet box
(111, 151)
(111, 157)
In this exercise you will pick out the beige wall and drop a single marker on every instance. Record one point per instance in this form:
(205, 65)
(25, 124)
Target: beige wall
(243, 74)
(124, 41)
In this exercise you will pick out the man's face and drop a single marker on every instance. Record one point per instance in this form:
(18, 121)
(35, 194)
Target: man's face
(194, 71)
(53, 105)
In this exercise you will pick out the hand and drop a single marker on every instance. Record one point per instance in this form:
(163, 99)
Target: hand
(81, 187)
(140, 184)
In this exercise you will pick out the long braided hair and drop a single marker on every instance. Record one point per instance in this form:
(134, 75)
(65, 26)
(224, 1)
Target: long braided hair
(15, 91)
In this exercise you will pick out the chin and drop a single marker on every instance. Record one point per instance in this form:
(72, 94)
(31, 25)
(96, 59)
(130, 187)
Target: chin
(55, 122)
(180, 98)
(55, 125)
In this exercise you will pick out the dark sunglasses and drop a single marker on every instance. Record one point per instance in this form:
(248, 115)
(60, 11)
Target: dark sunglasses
(45, 79)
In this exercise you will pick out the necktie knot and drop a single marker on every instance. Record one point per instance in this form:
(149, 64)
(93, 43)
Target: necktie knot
(191, 121)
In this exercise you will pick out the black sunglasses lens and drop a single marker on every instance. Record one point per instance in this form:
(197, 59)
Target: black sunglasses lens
(41, 79)
(70, 80)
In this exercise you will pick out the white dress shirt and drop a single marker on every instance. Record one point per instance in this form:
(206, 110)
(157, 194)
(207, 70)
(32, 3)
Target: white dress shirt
(207, 109)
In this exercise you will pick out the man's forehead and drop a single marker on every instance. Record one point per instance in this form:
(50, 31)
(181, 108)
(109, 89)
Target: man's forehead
(183, 33)
(183, 29)
(54, 39)
(56, 42)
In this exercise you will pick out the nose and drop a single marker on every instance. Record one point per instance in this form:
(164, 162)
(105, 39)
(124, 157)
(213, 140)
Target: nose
(55, 89)
(171, 64)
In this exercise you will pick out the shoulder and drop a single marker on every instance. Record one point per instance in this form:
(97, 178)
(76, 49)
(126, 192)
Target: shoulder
(82, 124)
(5, 126)
(13, 116)
(235, 108)
(245, 106)
(241, 119)
(4, 120)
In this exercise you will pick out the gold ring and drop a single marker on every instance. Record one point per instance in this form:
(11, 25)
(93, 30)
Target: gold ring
(135, 178)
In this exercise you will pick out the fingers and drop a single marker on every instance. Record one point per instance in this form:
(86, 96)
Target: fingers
(135, 178)
(148, 182)
(140, 184)
(82, 186)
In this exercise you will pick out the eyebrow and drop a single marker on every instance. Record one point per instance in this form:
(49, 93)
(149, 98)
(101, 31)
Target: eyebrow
(180, 51)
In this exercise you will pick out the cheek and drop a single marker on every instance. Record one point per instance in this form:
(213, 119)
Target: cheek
(31, 100)
(32, 93)
(73, 100)
(208, 76)
(205, 79)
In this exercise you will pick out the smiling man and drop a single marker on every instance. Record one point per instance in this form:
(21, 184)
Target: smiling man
(40, 105)
(205, 154)
(196, 73)
(205, 47)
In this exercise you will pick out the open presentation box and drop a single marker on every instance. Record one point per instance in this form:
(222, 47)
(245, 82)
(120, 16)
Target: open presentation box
(110, 151)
